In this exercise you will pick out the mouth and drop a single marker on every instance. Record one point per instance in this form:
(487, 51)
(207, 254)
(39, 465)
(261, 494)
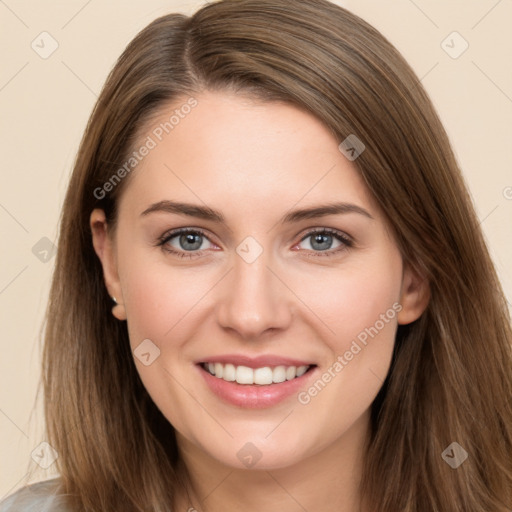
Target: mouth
(255, 382)
(261, 376)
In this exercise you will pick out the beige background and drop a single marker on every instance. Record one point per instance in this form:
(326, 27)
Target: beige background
(45, 103)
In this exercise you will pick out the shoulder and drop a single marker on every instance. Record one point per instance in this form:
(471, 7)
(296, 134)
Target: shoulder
(39, 497)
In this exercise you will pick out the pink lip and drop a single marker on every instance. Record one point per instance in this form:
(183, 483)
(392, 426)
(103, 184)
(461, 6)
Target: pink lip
(255, 362)
(255, 396)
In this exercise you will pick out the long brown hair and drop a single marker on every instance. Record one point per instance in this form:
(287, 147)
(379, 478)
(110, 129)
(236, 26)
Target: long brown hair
(451, 376)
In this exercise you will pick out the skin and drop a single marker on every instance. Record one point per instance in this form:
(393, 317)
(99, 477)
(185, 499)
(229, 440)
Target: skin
(254, 162)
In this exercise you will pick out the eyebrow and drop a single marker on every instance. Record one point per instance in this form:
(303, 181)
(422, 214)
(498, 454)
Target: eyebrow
(190, 210)
(206, 213)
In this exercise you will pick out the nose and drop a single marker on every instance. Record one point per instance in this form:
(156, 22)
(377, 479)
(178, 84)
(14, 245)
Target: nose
(253, 300)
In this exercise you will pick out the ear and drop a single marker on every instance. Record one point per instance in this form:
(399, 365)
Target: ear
(415, 295)
(104, 248)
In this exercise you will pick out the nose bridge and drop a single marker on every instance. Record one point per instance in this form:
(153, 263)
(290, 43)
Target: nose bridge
(253, 300)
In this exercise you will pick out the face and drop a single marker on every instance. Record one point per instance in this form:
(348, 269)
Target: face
(247, 245)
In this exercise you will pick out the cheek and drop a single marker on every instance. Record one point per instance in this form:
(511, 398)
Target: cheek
(160, 304)
(368, 310)
(355, 298)
(163, 305)
(361, 311)
(158, 297)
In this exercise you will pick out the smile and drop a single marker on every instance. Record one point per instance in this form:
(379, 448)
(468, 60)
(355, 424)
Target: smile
(255, 381)
(263, 376)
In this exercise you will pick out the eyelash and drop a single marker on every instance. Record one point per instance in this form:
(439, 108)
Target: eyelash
(341, 237)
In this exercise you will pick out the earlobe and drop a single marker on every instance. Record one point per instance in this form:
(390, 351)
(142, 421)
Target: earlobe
(103, 246)
(414, 297)
(119, 311)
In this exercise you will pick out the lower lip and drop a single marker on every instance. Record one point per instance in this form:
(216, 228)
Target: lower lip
(254, 396)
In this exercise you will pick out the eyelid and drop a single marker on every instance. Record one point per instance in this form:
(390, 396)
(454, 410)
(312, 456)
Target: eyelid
(183, 231)
(345, 239)
(163, 240)
(330, 231)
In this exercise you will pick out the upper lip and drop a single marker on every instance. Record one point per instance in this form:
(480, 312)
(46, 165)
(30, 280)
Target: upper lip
(255, 362)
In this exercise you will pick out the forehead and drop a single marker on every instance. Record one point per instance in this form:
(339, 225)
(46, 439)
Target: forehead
(238, 152)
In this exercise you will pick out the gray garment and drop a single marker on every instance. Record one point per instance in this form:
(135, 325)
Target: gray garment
(38, 497)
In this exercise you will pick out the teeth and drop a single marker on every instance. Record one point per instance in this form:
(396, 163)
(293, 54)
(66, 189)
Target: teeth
(244, 375)
(228, 373)
(301, 370)
(291, 372)
(261, 376)
(279, 373)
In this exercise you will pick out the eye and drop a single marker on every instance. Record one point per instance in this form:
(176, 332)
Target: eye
(183, 241)
(190, 242)
(326, 241)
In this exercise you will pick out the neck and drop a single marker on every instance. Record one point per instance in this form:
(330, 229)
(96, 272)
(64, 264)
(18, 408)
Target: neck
(328, 480)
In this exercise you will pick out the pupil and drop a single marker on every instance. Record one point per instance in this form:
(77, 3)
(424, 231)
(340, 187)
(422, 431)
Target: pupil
(190, 241)
(321, 241)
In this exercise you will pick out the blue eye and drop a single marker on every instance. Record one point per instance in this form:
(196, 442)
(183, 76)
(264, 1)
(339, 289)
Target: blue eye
(326, 241)
(321, 241)
(189, 243)
(183, 241)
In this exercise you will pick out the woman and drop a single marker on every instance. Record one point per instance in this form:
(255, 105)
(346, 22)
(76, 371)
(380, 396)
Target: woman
(271, 290)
